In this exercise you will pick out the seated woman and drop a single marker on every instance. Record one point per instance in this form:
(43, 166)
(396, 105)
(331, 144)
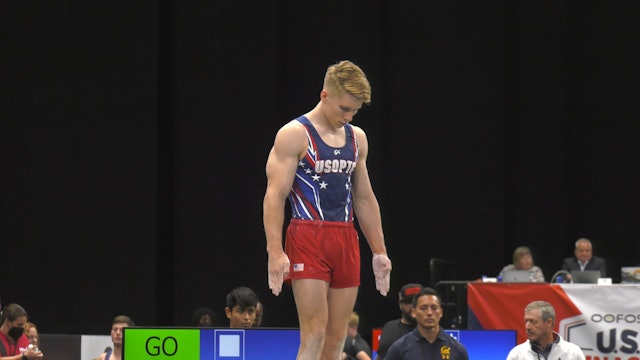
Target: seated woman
(523, 260)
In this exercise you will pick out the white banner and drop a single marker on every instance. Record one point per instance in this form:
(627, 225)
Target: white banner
(608, 327)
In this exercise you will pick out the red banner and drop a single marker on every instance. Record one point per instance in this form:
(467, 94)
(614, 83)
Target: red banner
(501, 306)
(604, 320)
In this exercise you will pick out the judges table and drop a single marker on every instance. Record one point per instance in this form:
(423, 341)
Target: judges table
(604, 320)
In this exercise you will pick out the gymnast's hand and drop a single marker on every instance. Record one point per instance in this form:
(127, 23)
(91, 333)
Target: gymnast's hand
(278, 270)
(382, 272)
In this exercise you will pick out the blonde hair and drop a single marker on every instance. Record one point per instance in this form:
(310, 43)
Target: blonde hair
(354, 319)
(28, 325)
(348, 78)
(519, 252)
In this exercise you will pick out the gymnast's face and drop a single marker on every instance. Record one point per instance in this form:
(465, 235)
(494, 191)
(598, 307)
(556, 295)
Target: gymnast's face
(339, 109)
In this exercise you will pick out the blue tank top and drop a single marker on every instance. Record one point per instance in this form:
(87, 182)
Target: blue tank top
(322, 185)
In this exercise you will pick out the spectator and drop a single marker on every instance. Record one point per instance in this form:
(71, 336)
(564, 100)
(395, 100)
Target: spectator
(259, 312)
(395, 329)
(204, 317)
(14, 344)
(542, 342)
(583, 259)
(428, 340)
(31, 330)
(523, 260)
(241, 307)
(117, 329)
(355, 347)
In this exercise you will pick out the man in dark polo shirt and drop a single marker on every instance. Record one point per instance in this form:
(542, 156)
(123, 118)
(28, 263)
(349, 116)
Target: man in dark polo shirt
(427, 340)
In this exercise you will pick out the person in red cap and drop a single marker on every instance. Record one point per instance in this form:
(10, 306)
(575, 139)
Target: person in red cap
(394, 329)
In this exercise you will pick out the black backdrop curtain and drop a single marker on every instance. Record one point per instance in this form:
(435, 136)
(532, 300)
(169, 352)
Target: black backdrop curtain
(134, 137)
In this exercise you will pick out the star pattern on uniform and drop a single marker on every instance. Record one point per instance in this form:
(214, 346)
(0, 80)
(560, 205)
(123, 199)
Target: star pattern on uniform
(315, 177)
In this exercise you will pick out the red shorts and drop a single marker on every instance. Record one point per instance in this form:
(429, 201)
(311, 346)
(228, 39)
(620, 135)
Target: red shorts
(323, 250)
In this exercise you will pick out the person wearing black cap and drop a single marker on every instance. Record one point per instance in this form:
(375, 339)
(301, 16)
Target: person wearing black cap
(395, 329)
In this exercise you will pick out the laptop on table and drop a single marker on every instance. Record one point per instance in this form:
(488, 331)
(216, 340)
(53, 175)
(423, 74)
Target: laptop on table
(585, 277)
(516, 276)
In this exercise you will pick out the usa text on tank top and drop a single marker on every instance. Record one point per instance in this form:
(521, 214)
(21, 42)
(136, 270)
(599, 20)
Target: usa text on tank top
(322, 186)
